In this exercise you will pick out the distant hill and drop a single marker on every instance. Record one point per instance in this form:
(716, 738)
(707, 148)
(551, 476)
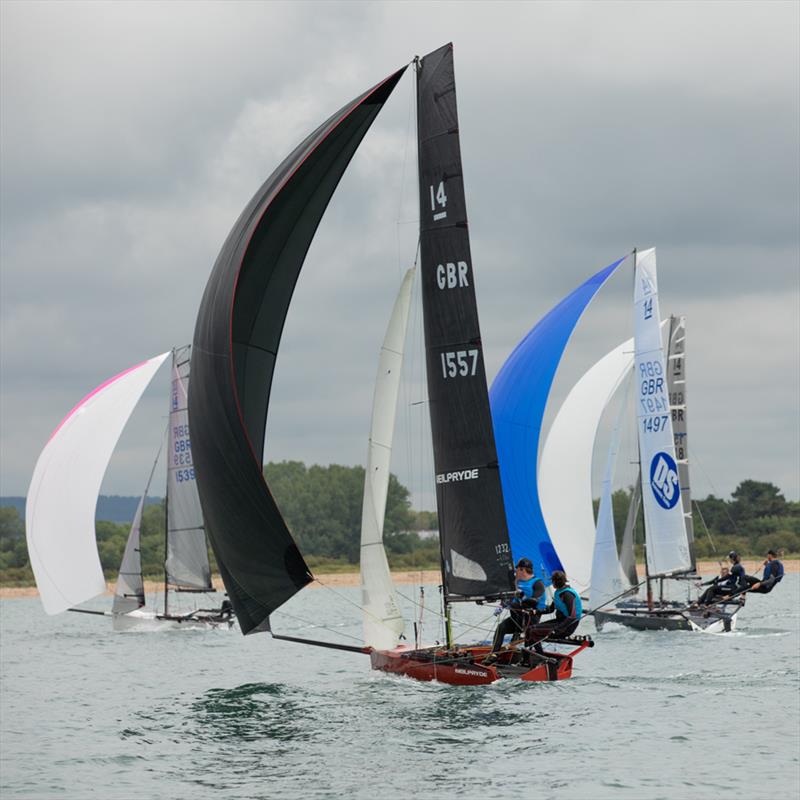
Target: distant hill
(110, 508)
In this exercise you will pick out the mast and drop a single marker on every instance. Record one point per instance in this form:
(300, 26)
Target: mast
(166, 503)
(473, 534)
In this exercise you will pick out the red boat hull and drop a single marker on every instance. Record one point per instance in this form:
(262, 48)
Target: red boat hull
(463, 667)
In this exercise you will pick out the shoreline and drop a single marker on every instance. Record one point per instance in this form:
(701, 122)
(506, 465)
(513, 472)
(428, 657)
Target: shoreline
(342, 579)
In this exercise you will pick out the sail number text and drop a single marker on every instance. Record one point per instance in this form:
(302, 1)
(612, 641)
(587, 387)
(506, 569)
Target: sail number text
(652, 390)
(438, 202)
(459, 363)
(452, 276)
(181, 455)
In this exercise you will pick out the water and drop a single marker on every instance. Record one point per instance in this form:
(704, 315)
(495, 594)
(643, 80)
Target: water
(86, 712)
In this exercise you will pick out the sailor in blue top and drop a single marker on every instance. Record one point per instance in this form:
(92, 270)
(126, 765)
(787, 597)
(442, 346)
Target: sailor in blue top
(525, 607)
(738, 577)
(568, 610)
(773, 574)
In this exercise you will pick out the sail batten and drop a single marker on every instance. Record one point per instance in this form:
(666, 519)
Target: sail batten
(237, 335)
(475, 550)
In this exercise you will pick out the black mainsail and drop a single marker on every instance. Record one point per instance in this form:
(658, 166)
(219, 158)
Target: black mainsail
(236, 341)
(476, 556)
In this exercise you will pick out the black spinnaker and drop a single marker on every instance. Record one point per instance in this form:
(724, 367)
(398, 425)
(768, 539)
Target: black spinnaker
(476, 557)
(236, 340)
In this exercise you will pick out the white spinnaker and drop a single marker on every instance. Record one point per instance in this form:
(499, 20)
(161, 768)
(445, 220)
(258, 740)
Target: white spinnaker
(62, 496)
(565, 471)
(665, 527)
(383, 622)
(608, 578)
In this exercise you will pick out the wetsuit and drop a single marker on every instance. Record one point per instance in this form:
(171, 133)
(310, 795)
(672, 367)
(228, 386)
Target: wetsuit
(717, 587)
(568, 608)
(738, 578)
(773, 574)
(529, 605)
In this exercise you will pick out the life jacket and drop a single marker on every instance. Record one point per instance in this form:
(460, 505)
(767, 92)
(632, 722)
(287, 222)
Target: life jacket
(526, 587)
(561, 606)
(774, 569)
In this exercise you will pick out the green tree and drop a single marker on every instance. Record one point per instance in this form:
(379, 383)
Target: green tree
(754, 499)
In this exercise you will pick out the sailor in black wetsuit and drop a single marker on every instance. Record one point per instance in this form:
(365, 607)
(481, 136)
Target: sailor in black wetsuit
(719, 586)
(738, 577)
(526, 606)
(568, 610)
(773, 574)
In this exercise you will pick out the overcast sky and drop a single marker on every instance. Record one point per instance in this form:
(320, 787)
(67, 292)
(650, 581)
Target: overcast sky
(134, 133)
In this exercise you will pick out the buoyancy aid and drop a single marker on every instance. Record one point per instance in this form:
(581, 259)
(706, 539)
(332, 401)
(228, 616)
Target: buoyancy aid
(561, 606)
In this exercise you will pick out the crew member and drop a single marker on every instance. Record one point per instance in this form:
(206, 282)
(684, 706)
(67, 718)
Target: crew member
(719, 585)
(773, 574)
(568, 610)
(738, 576)
(527, 605)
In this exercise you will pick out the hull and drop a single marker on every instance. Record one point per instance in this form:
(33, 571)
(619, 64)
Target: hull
(719, 619)
(462, 666)
(143, 621)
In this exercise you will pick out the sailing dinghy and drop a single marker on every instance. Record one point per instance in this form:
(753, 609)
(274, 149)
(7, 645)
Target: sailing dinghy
(60, 508)
(236, 342)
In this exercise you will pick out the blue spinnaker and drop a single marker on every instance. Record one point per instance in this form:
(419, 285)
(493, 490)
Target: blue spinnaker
(518, 399)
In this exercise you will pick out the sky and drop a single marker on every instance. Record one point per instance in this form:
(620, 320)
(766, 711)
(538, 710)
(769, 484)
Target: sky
(133, 134)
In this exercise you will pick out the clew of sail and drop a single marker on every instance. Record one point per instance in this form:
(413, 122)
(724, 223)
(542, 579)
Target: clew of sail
(237, 335)
(519, 396)
(186, 563)
(476, 557)
(667, 544)
(60, 507)
(383, 622)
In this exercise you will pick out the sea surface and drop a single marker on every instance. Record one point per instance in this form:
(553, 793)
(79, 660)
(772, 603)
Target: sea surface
(86, 712)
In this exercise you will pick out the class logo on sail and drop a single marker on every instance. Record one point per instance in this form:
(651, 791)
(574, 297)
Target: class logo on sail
(664, 480)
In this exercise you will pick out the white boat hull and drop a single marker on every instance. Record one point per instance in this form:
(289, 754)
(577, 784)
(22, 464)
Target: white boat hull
(144, 621)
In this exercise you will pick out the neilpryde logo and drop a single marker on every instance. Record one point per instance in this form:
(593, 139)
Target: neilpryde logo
(664, 480)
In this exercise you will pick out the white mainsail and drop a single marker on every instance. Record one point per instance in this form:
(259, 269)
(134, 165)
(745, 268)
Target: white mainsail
(565, 481)
(60, 507)
(383, 622)
(187, 552)
(667, 543)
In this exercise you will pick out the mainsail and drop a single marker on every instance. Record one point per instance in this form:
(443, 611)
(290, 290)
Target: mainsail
(676, 386)
(476, 557)
(667, 545)
(186, 563)
(627, 555)
(383, 622)
(519, 396)
(60, 508)
(237, 334)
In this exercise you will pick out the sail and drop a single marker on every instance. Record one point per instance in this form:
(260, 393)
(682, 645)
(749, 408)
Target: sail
(60, 508)
(519, 395)
(237, 333)
(665, 528)
(676, 386)
(187, 552)
(383, 622)
(476, 558)
(608, 581)
(565, 485)
(627, 555)
(129, 590)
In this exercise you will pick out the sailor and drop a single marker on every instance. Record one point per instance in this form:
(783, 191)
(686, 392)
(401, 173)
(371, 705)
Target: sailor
(738, 576)
(719, 585)
(773, 574)
(526, 606)
(568, 610)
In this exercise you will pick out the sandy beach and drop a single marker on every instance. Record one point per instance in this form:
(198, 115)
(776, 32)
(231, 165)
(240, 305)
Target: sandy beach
(416, 577)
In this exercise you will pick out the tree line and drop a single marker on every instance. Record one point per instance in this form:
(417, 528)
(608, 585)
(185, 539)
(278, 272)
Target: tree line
(322, 508)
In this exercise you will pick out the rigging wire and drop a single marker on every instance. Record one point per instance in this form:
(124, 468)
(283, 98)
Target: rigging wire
(696, 460)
